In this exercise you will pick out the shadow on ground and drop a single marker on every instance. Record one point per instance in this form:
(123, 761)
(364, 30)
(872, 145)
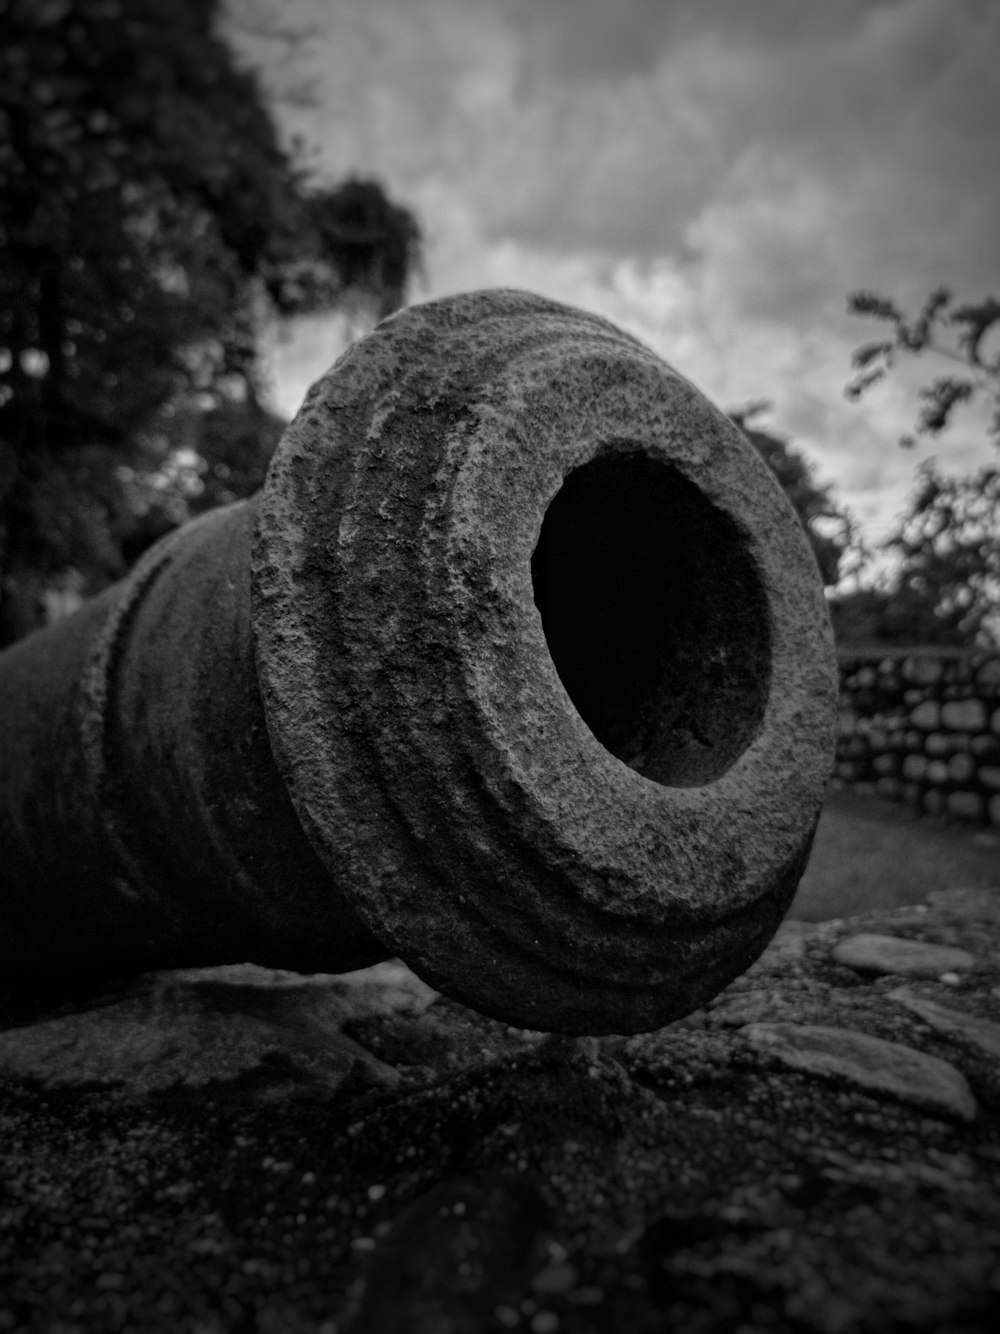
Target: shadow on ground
(873, 855)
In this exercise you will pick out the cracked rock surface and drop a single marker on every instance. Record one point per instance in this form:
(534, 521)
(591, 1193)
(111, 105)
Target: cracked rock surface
(244, 1149)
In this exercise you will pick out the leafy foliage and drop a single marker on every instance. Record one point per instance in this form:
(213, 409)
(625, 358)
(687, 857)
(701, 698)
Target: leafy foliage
(830, 529)
(149, 221)
(958, 333)
(946, 587)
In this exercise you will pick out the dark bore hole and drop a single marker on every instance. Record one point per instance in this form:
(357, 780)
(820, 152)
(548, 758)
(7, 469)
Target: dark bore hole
(655, 618)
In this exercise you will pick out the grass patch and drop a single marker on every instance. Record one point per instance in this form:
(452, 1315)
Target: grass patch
(872, 854)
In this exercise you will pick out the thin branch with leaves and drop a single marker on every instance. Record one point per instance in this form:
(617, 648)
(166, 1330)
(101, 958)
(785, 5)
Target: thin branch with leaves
(960, 334)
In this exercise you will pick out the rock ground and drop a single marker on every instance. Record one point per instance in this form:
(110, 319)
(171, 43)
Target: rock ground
(244, 1150)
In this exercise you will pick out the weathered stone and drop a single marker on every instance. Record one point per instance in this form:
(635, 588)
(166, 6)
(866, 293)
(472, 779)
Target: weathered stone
(868, 952)
(924, 671)
(938, 743)
(846, 720)
(980, 1034)
(880, 1067)
(936, 772)
(933, 801)
(961, 767)
(964, 715)
(682, 1180)
(914, 767)
(886, 764)
(926, 715)
(198, 1027)
(987, 675)
(519, 667)
(965, 805)
(852, 747)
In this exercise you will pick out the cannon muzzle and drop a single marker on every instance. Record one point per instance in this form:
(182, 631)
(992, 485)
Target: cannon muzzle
(518, 668)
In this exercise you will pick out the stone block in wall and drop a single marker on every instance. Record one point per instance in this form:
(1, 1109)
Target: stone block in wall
(961, 767)
(886, 764)
(924, 671)
(986, 747)
(933, 801)
(989, 776)
(914, 740)
(888, 787)
(988, 676)
(914, 768)
(926, 715)
(936, 772)
(848, 771)
(897, 740)
(910, 793)
(966, 805)
(995, 722)
(938, 743)
(846, 722)
(878, 738)
(964, 715)
(913, 697)
(993, 810)
(852, 747)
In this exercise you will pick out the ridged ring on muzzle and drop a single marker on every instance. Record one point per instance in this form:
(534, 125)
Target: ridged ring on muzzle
(546, 663)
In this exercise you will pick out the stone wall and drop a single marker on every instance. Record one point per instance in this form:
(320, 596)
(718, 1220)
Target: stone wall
(922, 726)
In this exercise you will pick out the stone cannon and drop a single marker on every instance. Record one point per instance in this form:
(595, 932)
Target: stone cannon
(518, 668)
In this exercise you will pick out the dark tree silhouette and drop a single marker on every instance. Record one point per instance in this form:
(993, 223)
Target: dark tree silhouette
(959, 334)
(945, 588)
(149, 221)
(831, 530)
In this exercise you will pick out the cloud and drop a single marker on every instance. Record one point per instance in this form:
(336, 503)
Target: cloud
(716, 178)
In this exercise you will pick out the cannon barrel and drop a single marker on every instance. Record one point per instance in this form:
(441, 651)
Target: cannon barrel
(518, 668)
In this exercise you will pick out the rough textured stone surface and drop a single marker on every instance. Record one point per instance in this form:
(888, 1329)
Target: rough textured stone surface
(886, 1068)
(193, 1028)
(964, 715)
(872, 953)
(519, 667)
(950, 694)
(982, 1034)
(553, 563)
(684, 1179)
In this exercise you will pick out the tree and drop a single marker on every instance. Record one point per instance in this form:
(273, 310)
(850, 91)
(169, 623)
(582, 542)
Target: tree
(149, 221)
(945, 588)
(956, 333)
(945, 585)
(830, 529)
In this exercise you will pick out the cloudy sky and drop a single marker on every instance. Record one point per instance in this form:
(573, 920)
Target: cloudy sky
(713, 175)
